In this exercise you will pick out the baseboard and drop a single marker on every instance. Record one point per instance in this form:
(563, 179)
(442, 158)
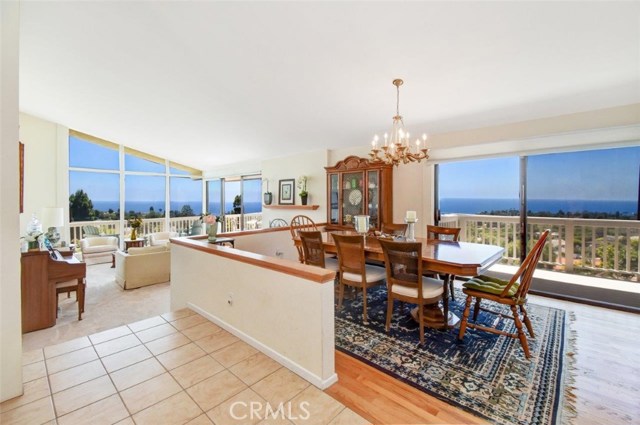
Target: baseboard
(284, 361)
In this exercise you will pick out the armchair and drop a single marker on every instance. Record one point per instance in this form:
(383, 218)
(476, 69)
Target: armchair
(161, 238)
(98, 249)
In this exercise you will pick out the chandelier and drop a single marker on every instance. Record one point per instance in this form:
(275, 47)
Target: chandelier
(397, 148)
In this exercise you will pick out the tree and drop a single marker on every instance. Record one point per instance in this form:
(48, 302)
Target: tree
(237, 202)
(186, 211)
(80, 206)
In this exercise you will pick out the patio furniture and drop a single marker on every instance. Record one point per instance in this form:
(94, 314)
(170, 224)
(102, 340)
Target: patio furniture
(354, 271)
(98, 249)
(301, 223)
(445, 234)
(278, 222)
(161, 238)
(511, 293)
(313, 249)
(143, 266)
(403, 261)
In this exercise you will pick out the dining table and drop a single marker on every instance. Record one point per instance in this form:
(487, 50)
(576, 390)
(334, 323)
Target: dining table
(444, 257)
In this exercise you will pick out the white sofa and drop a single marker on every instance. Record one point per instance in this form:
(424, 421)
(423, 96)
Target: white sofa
(161, 238)
(98, 249)
(143, 266)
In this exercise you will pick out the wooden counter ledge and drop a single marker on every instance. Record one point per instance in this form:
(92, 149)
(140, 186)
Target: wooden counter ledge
(314, 274)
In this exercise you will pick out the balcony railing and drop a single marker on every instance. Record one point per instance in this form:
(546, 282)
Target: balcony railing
(182, 225)
(604, 247)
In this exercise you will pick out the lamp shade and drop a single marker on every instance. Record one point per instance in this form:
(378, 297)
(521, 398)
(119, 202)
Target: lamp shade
(52, 217)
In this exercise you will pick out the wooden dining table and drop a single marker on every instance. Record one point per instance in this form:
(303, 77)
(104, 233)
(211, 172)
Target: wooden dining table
(444, 257)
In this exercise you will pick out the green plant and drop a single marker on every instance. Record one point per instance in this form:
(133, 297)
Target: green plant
(302, 185)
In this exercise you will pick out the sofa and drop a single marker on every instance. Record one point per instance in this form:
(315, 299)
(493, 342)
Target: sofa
(143, 266)
(161, 238)
(98, 249)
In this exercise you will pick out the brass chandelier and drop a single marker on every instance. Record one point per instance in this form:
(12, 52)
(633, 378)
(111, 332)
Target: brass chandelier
(397, 148)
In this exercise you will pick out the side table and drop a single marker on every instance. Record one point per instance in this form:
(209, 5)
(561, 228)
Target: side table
(137, 243)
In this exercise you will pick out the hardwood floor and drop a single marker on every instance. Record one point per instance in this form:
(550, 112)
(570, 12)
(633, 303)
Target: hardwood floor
(606, 371)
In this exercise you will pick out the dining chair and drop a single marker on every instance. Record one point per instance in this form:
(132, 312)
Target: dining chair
(445, 233)
(354, 271)
(512, 293)
(313, 249)
(395, 229)
(405, 282)
(301, 223)
(78, 286)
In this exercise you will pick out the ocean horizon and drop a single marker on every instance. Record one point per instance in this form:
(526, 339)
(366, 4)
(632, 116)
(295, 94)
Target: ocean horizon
(196, 206)
(477, 205)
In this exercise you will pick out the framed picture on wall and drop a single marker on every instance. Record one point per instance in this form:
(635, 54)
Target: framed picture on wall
(286, 192)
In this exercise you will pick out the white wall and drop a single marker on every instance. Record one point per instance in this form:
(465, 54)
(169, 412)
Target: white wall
(269, 244)
(10, 313)
(46, 177)
(287, 317)
(310, 164)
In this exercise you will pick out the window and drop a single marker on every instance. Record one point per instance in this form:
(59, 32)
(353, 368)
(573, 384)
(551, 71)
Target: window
(94, 196)
(589, 200)
(144, 196)
(237, 200)
(186, 197)
(92, 154)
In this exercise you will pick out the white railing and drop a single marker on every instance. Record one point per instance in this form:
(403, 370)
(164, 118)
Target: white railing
(575, 244)
(181, 225)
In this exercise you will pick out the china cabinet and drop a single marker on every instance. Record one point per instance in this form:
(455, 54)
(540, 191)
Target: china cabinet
(356, 186)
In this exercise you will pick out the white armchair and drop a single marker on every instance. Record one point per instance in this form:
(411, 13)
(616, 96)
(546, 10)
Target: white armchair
(161, 238)
(98, 249)
(143, 266)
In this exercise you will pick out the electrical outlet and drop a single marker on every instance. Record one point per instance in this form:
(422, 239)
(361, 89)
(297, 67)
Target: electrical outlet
(230, 298)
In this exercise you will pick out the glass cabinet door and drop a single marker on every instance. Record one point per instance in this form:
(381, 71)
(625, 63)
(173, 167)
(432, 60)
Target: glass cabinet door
(373, 198)
(334, 195)
(352, 196)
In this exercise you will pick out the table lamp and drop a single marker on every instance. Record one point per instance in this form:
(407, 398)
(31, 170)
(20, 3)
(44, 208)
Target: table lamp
(52, 218)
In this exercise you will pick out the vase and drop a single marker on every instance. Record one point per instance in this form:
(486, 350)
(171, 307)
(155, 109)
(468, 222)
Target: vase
(134, 234)
(212, 232)
(304, 199)
(33, 246)
(268, 198)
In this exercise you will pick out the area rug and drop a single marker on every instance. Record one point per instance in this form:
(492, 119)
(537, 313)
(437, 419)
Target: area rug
(486, 374)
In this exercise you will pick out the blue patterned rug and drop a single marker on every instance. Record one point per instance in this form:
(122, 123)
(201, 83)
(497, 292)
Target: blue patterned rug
(486, 374)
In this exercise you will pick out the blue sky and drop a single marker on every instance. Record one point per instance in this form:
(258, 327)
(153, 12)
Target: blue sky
(610, 174)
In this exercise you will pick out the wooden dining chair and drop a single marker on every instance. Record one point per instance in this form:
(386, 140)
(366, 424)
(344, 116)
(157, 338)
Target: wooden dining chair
(512, 293)
(354, 271)
(313, 249)
(445, 233)
(301, 223)
(395, 229)
(405, 282)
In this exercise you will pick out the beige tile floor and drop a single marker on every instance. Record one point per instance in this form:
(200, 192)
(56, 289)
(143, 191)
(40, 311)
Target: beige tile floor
(171, 369)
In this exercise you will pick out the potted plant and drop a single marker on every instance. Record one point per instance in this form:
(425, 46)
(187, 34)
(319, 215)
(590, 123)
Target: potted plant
(134, 223)
(211, 221)
(302, 187)
(268, 196)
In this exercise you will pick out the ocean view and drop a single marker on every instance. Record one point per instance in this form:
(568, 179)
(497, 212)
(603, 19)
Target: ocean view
(476, 206)
(196, 206)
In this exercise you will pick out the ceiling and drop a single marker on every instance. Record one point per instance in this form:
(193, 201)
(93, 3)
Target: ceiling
(213, 83)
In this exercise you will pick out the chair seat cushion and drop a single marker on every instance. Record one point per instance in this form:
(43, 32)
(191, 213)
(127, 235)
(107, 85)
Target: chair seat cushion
(431, 288)
(331, 264)
(373, 274)
(490, 285)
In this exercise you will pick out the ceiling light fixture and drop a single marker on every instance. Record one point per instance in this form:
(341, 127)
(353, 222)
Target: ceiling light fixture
(397, 148)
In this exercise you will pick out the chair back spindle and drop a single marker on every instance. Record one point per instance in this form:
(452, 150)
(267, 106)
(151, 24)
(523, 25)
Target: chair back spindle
(313, 248)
